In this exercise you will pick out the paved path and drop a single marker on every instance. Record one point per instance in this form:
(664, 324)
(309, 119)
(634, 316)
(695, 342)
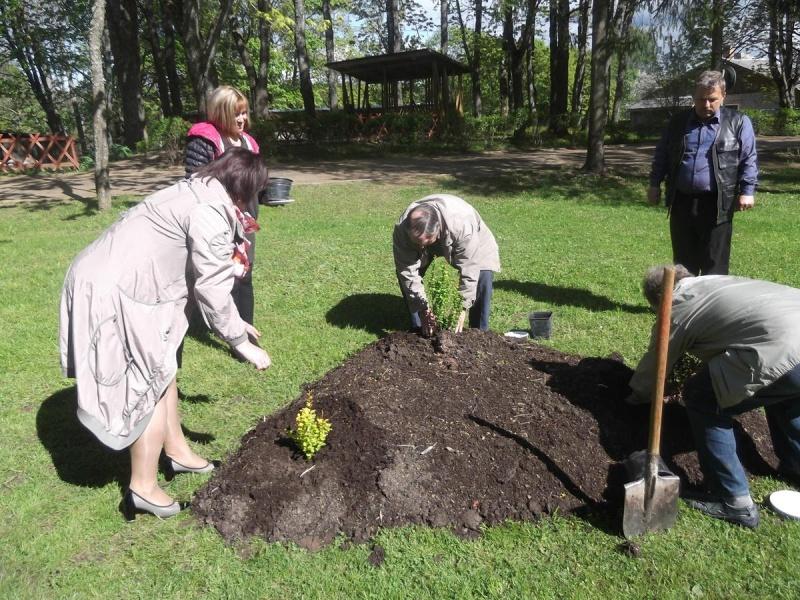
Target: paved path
(140, 176)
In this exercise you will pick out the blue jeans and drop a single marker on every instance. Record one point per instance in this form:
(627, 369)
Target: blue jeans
(478, 313)
(712, 428)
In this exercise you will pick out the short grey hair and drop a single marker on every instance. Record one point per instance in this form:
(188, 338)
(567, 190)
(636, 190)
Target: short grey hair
(423, 221)
(709, 80)
(654, 279)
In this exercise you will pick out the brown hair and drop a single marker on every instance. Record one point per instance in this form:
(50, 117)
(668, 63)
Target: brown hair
(423, 221)
(654, 278)
(708, 80)
(242, 173)
(223, 105)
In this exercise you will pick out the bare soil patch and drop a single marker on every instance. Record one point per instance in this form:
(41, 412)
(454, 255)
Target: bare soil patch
(456, 431)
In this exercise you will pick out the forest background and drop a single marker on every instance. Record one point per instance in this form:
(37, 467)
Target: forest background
(542, 70)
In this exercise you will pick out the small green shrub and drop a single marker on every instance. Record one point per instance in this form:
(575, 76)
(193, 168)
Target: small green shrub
(167, 135)
(310, 430)
(119, 151)
(784, 121)
(441, 287)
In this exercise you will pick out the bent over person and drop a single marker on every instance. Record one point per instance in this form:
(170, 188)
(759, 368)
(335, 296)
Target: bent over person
(446, 226)
(707, 155)
(747, 334)
(124, 316)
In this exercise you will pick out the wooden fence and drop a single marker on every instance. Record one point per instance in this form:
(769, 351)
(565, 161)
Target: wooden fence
(37, 151)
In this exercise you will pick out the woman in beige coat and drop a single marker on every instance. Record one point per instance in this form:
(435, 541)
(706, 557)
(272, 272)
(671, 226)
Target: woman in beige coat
(124, 310)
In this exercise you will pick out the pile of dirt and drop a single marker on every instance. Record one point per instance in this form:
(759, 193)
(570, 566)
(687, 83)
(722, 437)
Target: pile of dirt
(453, 431)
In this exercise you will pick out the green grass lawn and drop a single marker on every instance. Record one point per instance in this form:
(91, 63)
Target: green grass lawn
(325, 288)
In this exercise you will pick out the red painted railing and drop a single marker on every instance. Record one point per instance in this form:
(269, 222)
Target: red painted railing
(37, 151)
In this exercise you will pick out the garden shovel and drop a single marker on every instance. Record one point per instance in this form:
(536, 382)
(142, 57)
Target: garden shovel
(651, 500)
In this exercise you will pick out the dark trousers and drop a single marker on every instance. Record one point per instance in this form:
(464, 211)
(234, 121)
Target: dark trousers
(478, 313)
(242, 293)
(712, 428)
(698, 242)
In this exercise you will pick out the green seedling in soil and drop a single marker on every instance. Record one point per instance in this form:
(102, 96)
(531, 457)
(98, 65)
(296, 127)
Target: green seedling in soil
(310, 431)
(442, 291)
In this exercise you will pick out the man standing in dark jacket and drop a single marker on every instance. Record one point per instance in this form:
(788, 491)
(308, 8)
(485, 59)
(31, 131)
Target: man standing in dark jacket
(707, 155)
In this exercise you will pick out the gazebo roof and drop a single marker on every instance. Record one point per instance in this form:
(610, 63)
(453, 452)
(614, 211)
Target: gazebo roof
(401, 66)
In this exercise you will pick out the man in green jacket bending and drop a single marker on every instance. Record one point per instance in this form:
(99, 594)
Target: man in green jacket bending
(747, 333)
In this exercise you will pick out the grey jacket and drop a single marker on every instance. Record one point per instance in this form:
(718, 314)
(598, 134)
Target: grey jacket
(465, 243)
(124, 303)
(748, 331)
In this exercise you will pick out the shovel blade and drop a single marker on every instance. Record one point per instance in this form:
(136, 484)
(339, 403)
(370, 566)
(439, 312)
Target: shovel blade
(651, 504)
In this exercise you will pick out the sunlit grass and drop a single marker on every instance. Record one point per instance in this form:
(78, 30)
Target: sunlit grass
(325, 287)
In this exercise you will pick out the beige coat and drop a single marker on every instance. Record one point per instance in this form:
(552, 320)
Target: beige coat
(465, 243)
(124, 303)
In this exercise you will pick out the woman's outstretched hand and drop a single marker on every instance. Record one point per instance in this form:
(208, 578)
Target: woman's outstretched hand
(253, 354)
(253, 333)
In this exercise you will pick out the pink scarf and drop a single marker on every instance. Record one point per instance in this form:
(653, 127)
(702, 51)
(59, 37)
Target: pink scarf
(249, 225)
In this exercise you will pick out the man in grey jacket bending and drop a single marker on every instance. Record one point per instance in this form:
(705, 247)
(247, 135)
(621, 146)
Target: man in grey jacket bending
(747, 333)
(446, 226)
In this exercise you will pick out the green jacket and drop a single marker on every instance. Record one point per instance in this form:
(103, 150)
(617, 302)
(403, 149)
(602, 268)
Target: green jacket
(465, 243)
(748, 331)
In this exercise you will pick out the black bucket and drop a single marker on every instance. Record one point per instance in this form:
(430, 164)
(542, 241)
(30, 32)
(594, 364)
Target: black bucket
(278, 189)
(541, 324)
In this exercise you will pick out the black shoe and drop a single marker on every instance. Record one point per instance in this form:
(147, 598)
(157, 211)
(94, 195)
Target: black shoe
(746, 517)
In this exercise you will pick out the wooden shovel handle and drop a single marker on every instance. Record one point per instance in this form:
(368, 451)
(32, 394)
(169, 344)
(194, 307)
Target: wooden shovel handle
(662, 345)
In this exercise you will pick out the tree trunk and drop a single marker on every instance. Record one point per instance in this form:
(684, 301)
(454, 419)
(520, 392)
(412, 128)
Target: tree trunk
(261, 96)
(101, 175)
(474, 55)
(783, 66)
(580, 63)
(151, 28)
(515, 50)
(303, 67)
(476, 66)
(559, 65)
(25, 48)
(330, 56)
(443, 10)
(394, 34)
(76, 113)
(503, 84)
(717, 25)
(123, 30)
(168, 13)
(623, 51)
(598, 100)
(200, 52)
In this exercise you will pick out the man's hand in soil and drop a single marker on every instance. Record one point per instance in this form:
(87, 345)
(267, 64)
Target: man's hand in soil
(428, 322)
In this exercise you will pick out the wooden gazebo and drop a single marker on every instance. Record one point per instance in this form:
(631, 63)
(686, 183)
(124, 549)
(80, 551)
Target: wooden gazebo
(426, 69)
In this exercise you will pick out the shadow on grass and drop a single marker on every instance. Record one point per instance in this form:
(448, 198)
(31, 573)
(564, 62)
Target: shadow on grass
(570, 184)
(376, 313)
(91, 207)
(79, 458)
(566, 296)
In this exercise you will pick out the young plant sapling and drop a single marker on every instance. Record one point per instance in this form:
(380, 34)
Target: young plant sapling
(441, 286)
(310, 430)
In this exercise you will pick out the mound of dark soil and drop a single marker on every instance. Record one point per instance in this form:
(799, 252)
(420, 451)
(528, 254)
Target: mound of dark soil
(451, 432)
